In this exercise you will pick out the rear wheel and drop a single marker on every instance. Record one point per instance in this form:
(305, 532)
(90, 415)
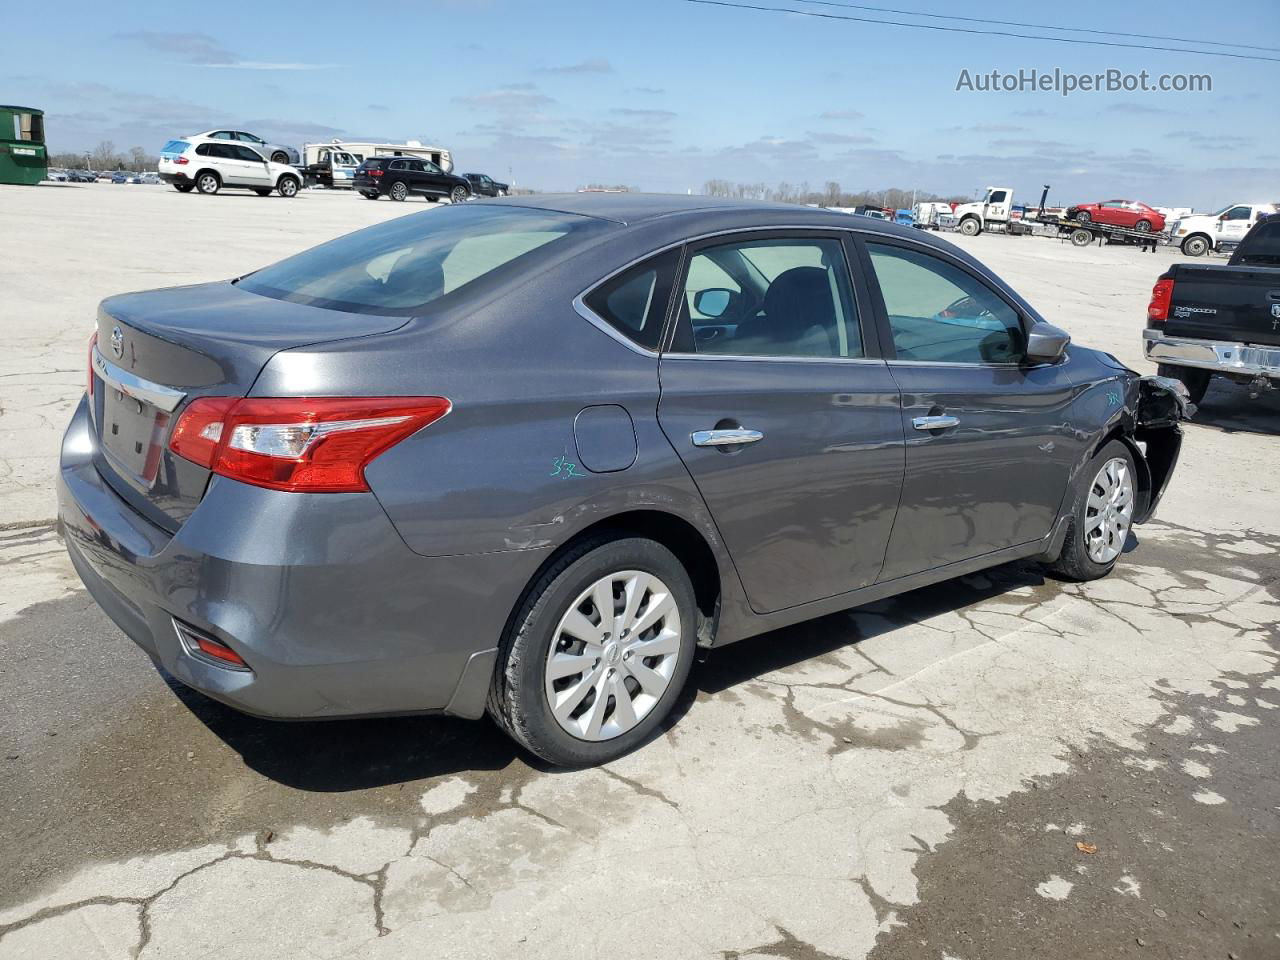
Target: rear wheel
(597, 652)
(1081, 238)
(1101, 515)
(279, 157)
(399, 190)
(1195, 380)
(970, 226)
(1195, 246)
(288, 186)
(208, 182)
(459, 195)
(1143, 226)
(368, 196)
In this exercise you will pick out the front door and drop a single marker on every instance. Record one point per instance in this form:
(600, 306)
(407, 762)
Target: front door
(989, 442)
(252, 169)
(1235, 223)
(776, 399)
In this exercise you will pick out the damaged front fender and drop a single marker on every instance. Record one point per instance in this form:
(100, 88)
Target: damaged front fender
(1163, 403)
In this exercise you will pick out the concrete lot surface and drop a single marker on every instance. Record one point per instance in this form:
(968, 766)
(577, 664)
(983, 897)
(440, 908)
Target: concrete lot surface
(1005, 766)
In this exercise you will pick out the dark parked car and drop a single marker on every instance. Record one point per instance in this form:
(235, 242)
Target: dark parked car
(401, 177)
(526, 458)
(482, 185)
(1207, 320)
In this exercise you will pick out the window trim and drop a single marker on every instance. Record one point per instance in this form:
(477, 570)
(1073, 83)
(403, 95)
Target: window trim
(882, 314)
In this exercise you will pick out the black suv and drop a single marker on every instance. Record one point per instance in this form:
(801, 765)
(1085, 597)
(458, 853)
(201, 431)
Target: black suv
(398, 177)
(482, 185)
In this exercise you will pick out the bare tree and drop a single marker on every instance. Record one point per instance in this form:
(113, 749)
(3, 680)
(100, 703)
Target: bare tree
(138, 159)
(104, 156)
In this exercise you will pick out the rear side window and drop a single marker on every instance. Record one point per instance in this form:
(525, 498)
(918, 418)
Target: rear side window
(400, 266)
(635, 302)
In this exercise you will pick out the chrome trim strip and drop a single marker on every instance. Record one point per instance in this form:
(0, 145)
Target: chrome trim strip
(1220, 355)
(788, 359)
(603, 325)
(156, 394)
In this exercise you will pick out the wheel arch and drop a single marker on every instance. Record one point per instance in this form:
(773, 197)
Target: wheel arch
(195, 178)
(1123, 431)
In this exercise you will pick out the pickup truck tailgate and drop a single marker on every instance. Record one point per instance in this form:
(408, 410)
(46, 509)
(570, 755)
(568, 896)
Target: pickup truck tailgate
(1232, 303)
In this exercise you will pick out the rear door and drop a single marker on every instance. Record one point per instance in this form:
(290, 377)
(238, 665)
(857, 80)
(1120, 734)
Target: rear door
(988, 437)
(775, 397)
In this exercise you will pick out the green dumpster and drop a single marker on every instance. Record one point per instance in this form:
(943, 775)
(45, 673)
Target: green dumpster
(23, 158)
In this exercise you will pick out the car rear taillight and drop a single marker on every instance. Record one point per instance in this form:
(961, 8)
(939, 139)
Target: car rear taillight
(1161, 297)
(299, 444)
(181, 159)
(375, 172)
(93, 345)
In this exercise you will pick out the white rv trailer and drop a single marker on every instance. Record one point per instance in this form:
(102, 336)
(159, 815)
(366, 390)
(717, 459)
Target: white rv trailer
(362, 151)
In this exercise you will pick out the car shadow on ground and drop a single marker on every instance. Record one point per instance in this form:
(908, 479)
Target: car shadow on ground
(1228, 407)
(346, 755)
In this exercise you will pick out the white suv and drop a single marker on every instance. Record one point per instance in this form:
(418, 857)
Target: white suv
(209, 165)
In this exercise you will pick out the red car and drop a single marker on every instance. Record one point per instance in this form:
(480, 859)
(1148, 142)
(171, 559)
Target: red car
(1133, 214)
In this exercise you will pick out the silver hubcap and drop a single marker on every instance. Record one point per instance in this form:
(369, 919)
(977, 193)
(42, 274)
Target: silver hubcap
(1109, 512)
(613, 655)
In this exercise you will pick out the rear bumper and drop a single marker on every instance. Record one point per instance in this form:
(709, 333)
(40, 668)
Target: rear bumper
(318, 594)
(174, 177)
(1219, 356)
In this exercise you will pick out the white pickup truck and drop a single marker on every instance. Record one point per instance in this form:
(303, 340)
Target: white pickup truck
(991, 211)
(1199, 233)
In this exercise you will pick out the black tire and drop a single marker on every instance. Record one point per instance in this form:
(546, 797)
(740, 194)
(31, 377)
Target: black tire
(1074, 563)
(1196, 246)
(518, 699)
(459, 195)
(262, 191)
(279, 157)
(184, 187)
(1195, 380)
(1081, 237)
(970, 226)
(431, 199)
(398, 191)
(288, 187)
(1143, 226)
(208, 182)
(368, 196)
(1082, 216)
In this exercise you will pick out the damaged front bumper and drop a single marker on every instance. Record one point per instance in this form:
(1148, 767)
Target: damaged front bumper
(1163, 403)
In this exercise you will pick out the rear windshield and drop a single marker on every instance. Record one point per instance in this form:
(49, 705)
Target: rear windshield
(373, 163)
(400, 266)
(174, 146)
(1262, 247)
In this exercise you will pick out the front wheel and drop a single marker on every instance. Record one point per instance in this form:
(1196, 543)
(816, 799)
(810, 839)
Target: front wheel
(1195, 246)
(597, 653)
(970, 227)
(288, 187)
(1082, 216)
(1101, 515)
(459, 195)
(1194, 379)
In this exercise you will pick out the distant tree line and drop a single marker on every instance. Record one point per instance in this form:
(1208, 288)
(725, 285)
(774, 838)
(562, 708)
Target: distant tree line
(105, 157)
(831, 194)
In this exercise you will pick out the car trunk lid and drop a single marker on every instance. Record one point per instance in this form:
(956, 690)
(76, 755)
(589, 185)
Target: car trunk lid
(159, 350)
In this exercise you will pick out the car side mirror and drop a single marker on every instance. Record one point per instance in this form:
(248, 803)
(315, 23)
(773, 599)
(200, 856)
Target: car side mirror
(1046, 343)
(712, 302)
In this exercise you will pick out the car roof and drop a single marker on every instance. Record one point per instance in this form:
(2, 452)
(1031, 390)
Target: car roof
(637, 208)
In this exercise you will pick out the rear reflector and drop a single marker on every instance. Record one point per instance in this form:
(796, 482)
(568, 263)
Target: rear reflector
(198, 644)
(93, 342)
(299, 444)
(1161, 297)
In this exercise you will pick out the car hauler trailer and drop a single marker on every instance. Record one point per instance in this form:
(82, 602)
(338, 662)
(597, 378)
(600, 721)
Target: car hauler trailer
(23, 158)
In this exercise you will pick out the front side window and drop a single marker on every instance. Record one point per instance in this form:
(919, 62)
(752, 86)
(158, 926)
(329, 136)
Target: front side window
(250, 138)
(400, 266)
(1238, 213)
(431, 167)
(785, 297)
(244, 153)
(635, 302)
(998, 196)
(938, 313)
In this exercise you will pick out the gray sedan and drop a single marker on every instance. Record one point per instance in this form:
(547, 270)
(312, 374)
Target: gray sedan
(525, 456)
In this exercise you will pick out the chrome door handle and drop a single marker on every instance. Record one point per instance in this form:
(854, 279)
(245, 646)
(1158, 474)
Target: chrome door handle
(935, 423)
(724, 438)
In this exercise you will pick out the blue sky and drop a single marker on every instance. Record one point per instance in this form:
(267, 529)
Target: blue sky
(664, 94)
